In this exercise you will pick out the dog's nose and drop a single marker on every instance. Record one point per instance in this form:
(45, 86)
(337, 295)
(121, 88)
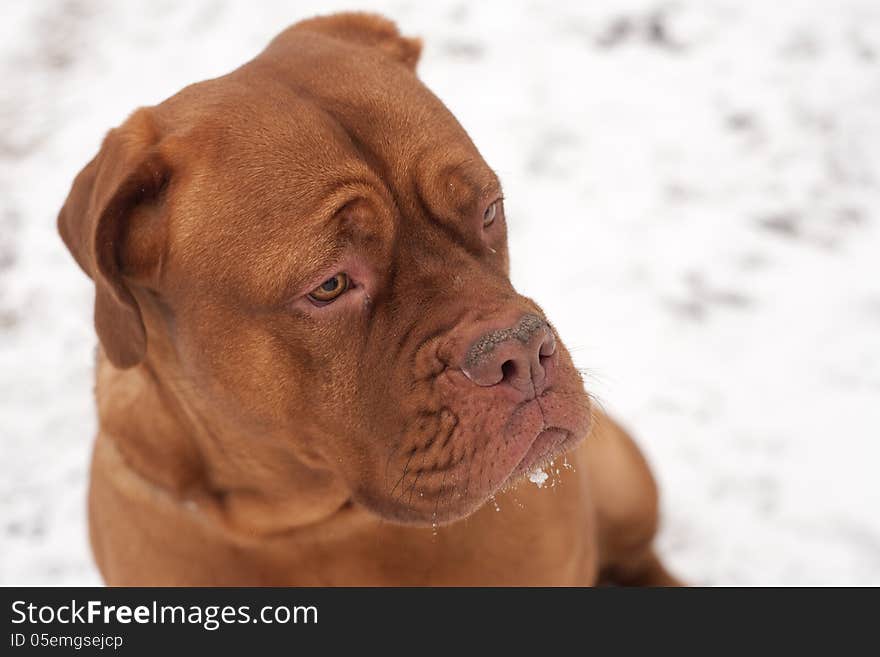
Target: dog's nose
(518, 356)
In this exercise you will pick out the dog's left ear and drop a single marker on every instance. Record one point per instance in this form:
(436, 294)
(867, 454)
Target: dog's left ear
(368, 30)
(111, 224)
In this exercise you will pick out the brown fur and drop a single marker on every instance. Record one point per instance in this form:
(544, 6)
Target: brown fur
(249, 436)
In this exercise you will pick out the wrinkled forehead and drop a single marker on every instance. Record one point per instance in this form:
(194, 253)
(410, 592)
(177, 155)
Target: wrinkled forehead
(403, 130)
(261, 178)
(273, 153)
(363, 89)
(282, 148)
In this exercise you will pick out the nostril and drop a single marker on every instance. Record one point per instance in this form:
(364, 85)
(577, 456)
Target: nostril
(508, 370)
(520, 357)
(547, 349)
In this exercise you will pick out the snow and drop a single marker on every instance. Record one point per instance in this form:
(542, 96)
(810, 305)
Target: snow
(692, 190)
(538, 477)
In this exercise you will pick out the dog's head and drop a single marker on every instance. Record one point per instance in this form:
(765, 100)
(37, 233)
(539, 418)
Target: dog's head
(312, 256)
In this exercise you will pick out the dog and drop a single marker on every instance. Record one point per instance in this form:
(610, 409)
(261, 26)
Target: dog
(312, 366)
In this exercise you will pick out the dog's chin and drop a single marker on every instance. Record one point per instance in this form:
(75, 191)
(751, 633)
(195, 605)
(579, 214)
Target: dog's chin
(551, 443)
(448, 496)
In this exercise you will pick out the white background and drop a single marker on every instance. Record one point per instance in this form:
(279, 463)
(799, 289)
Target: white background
(693, 196)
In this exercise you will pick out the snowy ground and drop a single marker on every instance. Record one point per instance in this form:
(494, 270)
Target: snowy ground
(693, 190)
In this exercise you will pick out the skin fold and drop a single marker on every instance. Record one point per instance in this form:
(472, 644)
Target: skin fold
(313, 368)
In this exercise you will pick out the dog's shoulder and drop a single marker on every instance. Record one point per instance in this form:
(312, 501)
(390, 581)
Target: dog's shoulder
(624, 490)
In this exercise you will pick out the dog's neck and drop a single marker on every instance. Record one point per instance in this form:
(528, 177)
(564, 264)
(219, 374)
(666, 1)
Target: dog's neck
(162, 440)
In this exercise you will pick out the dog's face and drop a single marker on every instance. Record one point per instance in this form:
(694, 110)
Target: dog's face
(317, 255)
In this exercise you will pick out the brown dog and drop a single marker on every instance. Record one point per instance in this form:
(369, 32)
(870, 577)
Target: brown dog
(311, 352)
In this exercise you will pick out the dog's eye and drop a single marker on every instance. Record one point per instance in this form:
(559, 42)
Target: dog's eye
(489, 214)
(330, 289)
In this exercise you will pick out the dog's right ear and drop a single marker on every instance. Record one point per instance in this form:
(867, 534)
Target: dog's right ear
(112, 225)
